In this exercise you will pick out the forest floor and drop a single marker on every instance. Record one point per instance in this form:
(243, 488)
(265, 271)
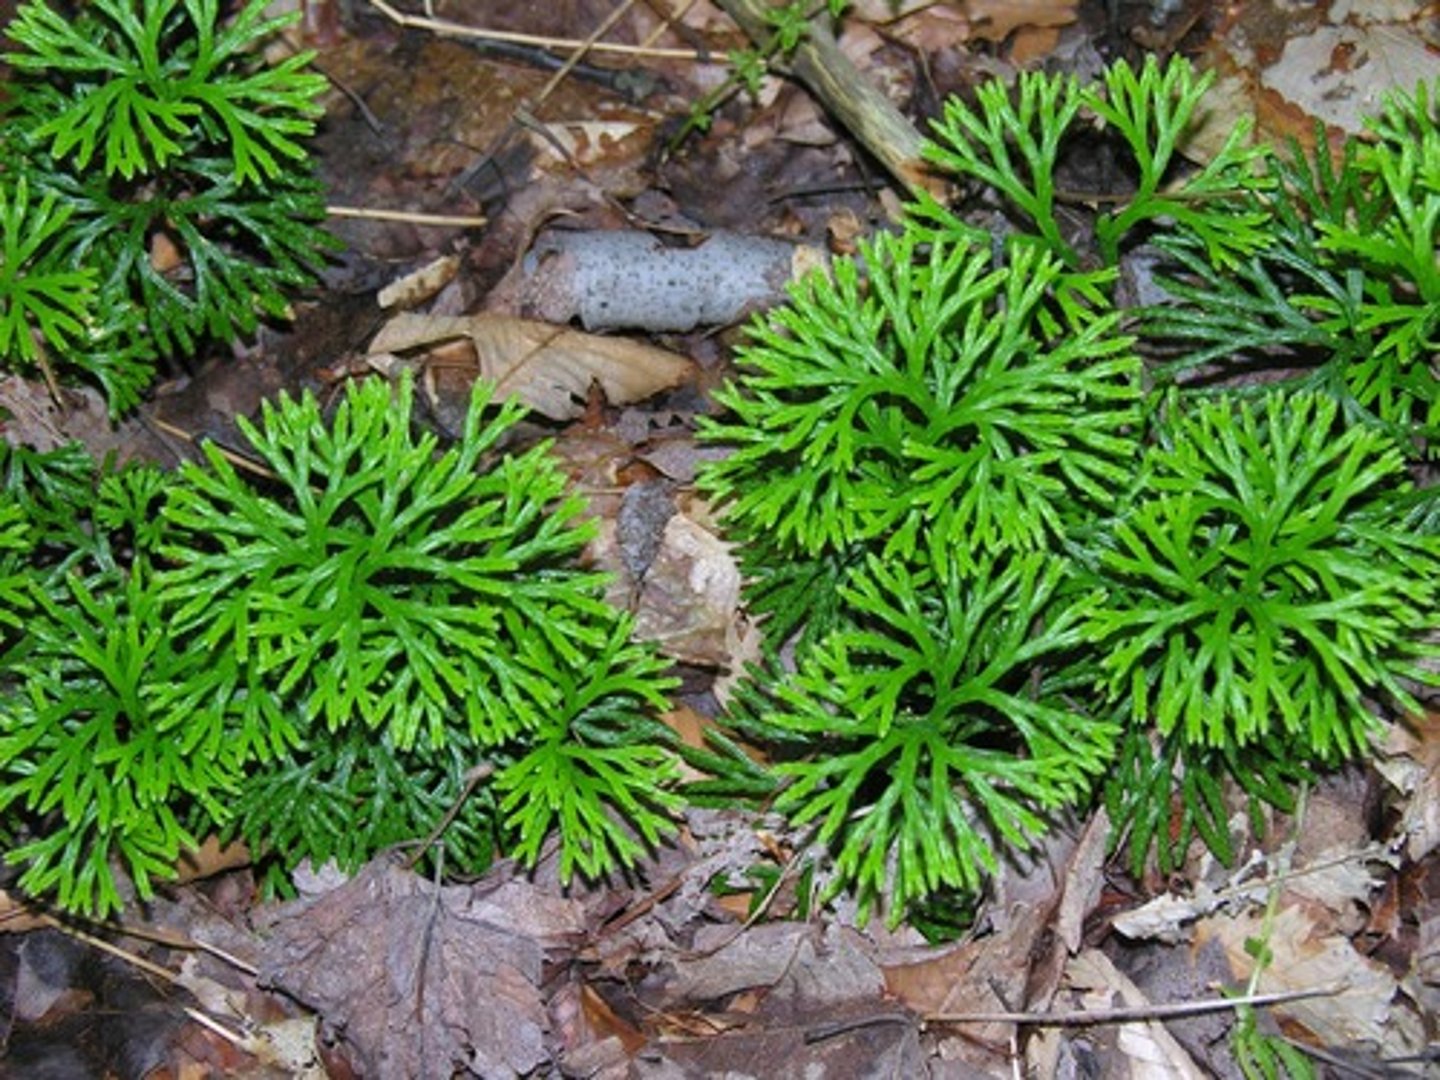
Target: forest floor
(484, 151)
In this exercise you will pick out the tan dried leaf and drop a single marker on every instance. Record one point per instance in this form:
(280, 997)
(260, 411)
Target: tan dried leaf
(1151, 1052)
(996, 20)
(549, 368)
(1366, 1014)
(1411, 765)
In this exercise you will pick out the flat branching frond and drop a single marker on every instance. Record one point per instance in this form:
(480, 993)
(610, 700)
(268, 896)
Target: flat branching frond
(384, 582)
(930, 735)
(135, 124)
(1164, 792)
(599, 773)
(1152, 110)
(1347, 287)
(245, 250)
(128, 502)
(89, 754)
(1260, 310)
(48, 487)
(1013, 146)
(1028, 427)
(151, 84)
(1011, 141)
(42, 292)
(947, 393)
(796, 598)
(16, 543)
(1250, 595)
(1403, 280)
(813, 420)
(352, 794)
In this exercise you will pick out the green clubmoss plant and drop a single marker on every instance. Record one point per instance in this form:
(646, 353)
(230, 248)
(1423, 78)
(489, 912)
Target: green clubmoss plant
(941, 408)
(381, 641)
(382, 589)
(992, 566)
(1282, 259)
(134, 129)
(1012, 143)
(916, 443)
(97, 761)
(1347, 294)
(930, 740)
(1263, 592)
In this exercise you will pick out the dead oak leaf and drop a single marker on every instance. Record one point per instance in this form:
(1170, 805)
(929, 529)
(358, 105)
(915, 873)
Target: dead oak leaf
(550, 368)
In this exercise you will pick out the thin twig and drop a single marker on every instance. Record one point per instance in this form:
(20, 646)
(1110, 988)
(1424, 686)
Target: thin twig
(472, 780)
(1131, 1013)
(367, 114)
(465, 221)
(460, 30)
(183, 943)
(240, 461)
(588, 45)
(115, 950)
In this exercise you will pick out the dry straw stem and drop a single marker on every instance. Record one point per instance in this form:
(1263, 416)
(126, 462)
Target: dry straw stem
(459, 30)
(464, 221)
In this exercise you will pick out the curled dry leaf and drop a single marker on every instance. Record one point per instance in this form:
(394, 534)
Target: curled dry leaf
(1410, 764)
(1147, 1047)
(549, 368)
(420, 284)
(687, 598)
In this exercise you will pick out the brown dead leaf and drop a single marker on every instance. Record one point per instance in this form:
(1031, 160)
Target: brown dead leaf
(1284, 66)
(1411, 765)
(996, 20)
(550, 368)
(1149, 1049)
(1340, 73)
(1033, 43)
(424, 982)
(983, 975)
(17, 916)
(1367, 1015)
(796, 962)
(605, 1022)
(32, 417)
(687, 598)
(209, 859)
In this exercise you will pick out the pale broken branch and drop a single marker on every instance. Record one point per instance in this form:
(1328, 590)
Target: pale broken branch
(846, 94)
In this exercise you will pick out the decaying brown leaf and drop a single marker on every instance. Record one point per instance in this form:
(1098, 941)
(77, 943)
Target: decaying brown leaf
(1368, 1015)
(423, 982)
(1147, 1047)
(549, 368)
(996, 20)
(1411, 765)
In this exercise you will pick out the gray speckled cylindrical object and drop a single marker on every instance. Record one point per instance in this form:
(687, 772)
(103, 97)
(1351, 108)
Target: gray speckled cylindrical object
(630, 280)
